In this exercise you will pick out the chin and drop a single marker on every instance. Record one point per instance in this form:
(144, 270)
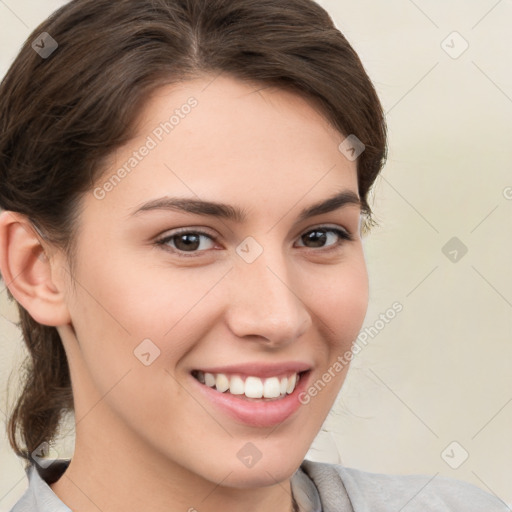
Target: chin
(270, 470)
(245, 478)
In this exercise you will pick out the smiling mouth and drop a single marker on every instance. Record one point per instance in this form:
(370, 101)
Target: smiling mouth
(250, 387)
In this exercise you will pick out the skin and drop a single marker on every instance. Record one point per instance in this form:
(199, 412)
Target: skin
(144, 438)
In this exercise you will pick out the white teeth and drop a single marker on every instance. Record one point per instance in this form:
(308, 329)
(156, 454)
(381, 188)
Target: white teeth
(284, 386)
(236, 386)
(209, 379)
(221, 382)
(252, 387)
(272, 388)
(291, 383)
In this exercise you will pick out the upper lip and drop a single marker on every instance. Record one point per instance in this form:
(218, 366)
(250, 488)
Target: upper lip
(260, 369)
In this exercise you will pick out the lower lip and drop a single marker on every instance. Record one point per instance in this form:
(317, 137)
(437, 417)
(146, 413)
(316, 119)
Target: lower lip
(256, 414)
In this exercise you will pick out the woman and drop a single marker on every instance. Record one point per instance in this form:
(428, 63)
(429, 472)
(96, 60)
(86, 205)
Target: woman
(161, 186)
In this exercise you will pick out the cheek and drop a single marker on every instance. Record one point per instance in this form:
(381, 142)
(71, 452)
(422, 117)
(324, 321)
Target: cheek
(114, 310)
(123, 302)
(129, 298)
(340, 299)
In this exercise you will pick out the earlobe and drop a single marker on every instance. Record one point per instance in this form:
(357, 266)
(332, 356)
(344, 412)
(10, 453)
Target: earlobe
(28, 273)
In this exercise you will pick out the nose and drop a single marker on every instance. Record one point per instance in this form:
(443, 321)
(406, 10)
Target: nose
(265, 303)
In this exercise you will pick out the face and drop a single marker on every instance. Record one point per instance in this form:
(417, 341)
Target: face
(166, 293)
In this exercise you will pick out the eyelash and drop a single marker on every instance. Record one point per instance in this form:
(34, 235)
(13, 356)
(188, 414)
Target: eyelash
(343, 234)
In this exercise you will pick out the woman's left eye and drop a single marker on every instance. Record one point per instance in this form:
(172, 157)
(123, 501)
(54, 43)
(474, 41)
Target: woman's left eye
(318, 235)
(184, 241)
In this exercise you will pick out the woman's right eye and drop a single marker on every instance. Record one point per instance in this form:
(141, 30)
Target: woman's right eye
(184, 241)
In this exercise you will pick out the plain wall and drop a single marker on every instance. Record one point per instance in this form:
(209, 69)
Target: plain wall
(434, 383)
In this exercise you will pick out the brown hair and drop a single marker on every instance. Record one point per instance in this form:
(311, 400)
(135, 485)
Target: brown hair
(63, 115)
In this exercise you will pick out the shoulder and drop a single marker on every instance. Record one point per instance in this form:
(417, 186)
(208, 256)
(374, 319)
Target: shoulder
(414, 493)
(39, 496)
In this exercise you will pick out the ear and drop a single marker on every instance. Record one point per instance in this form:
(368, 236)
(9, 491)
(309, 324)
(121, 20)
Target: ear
(34, 280)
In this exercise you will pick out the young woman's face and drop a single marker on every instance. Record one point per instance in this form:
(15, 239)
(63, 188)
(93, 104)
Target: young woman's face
(260, 295)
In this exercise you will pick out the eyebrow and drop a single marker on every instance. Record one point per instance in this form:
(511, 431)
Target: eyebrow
(239, 215)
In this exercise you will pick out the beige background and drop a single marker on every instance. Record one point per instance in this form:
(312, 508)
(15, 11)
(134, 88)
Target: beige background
(439, 372)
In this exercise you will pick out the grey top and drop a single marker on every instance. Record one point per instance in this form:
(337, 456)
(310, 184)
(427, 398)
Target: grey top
(321, 487)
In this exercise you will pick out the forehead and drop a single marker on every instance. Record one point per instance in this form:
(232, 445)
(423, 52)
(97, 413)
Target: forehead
(222, 139)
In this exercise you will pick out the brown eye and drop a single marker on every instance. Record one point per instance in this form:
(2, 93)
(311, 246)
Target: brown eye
(185, 242)
(318, 237)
